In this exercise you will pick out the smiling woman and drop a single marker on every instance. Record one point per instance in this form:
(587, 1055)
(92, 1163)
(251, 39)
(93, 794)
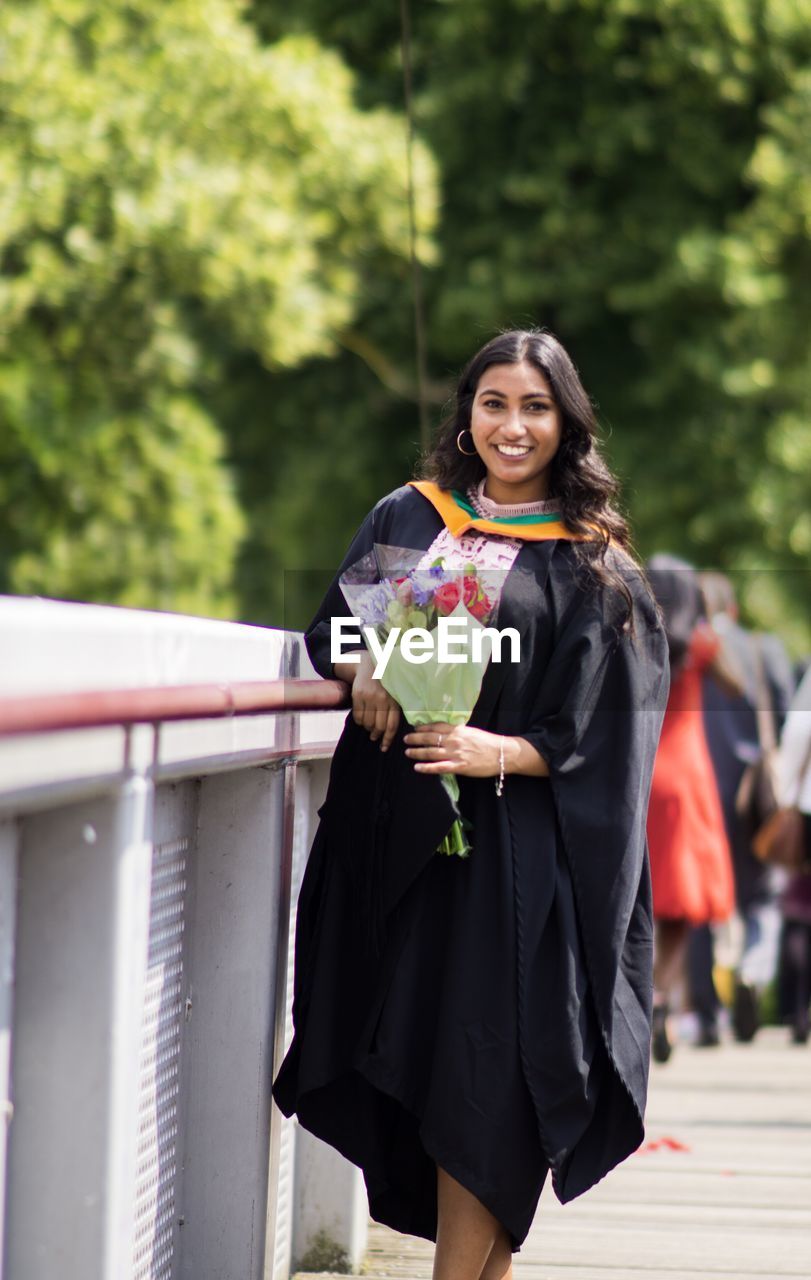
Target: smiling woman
(465, 1026)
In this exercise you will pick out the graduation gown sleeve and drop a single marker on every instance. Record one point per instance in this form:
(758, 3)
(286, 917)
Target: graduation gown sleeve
(596, 720)
(384, 855)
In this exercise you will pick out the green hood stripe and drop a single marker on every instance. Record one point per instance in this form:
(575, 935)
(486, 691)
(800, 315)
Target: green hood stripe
(549, 518)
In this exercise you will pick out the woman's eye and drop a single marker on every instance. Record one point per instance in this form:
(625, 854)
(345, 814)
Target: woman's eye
(536, 406)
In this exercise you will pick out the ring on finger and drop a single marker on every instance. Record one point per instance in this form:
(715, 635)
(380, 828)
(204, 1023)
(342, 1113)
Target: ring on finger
(439, 741)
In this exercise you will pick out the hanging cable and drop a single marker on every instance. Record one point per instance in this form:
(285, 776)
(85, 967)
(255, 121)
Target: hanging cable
(416, 269)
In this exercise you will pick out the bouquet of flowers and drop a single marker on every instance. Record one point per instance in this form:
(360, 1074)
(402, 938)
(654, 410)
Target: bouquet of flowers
(427, 626)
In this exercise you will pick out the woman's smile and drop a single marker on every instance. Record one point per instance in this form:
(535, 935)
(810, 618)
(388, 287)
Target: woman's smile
(513, 450)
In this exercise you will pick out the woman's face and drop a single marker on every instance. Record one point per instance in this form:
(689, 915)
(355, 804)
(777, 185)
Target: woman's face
(516, 428)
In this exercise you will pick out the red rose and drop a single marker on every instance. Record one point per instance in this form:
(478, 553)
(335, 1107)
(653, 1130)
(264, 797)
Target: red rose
(447, 597)
(471, 589)
(480, 609)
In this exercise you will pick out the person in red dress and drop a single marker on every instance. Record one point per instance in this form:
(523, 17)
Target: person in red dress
(690, 858)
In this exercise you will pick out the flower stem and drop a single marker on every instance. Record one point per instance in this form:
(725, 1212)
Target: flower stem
(454, 843)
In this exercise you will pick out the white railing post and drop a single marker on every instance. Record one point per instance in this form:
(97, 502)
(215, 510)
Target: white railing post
(329, 1195)
(231, 953)
(82, 928)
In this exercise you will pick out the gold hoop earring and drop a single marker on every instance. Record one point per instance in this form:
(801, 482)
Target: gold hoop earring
(459, 447)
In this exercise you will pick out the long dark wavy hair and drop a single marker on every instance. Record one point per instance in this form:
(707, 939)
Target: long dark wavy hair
(579, 476)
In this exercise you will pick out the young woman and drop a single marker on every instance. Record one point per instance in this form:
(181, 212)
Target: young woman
(462, 1027)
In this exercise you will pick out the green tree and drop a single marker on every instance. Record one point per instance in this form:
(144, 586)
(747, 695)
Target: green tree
(179, 203)
(635, 176)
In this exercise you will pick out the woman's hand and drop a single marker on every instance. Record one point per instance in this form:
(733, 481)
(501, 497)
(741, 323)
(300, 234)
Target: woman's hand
(473, 753)
(372, 707)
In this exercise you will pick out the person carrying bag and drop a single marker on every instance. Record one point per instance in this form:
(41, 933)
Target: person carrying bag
(757, 795)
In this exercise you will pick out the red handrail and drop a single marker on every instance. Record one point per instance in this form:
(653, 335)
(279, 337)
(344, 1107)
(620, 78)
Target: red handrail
(96, 708)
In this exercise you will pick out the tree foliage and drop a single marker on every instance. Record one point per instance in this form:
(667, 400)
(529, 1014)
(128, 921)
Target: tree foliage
(636, 177)
(178, 202)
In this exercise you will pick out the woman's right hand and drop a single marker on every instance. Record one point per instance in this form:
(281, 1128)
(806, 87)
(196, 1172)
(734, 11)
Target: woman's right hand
(372, 707)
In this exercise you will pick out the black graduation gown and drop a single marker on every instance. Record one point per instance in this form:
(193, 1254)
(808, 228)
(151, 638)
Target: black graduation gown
(488, 1014)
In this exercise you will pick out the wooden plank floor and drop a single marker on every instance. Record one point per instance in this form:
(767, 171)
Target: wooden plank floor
(736, 1202)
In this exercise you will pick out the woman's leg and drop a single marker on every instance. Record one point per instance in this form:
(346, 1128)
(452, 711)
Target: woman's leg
(669, 959)
(469, 1239)
(499, 1266)
(670, 955)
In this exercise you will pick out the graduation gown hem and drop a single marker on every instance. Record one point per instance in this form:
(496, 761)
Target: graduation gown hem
(385, 1206)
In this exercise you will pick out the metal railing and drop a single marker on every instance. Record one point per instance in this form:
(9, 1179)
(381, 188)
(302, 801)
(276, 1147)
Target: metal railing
(96, 708)
(153, 834)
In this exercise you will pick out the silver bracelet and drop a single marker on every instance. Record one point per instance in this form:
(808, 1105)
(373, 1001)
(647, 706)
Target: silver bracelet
(500, 778)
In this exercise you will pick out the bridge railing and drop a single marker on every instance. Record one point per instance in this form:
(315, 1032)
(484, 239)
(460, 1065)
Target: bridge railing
(159, 784)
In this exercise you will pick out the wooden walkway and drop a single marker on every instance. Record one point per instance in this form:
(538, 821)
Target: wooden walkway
(722, 1186)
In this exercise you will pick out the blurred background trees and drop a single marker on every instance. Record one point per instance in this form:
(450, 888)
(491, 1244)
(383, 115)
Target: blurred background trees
(207, 351)
(179, 206)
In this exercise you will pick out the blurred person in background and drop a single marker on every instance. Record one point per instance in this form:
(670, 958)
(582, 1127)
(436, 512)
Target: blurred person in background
(794, 765)
(734, 739)
(800, 667)
(691, 866)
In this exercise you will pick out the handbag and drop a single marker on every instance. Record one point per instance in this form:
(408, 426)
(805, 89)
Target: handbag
(757, 797)
(780, 840)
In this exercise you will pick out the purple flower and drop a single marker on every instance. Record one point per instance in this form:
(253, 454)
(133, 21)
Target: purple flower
(370, 603)
(422, 589)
